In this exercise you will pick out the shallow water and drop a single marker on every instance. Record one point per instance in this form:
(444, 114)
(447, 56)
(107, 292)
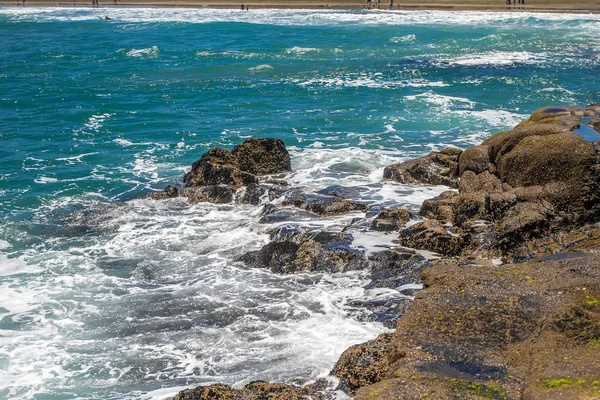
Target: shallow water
(104, 295)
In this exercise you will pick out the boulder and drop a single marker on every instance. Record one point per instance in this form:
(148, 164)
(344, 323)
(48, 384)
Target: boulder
(257, 390)
(363, 364)
(440, 207)
(321, 204)
(431, 236)
(475, 159)
(484, 181)
(534, 179)
(293, 251)
(437, 168)
(234, 169)
(390, 220)
(218, 166)
(262, 156)
(539, 160)
(395, 267)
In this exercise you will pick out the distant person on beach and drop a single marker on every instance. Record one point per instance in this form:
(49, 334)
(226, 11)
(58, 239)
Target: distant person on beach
(247, 8)
(243, 8)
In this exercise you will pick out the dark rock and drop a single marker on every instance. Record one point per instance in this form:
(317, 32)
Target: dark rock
(340, 191)
(262, 156)
(257, 390)
(252, 194)
(394, 268)
(386, 310)
(277, 256)
(475, 159)
(218, 194)
(469, 206)
(363, 364)
(440, 207)
(437, 168)
(485, 181)
(293, 250)
(432, 236)
(390, 220)
(272, 214)
(169, 192)
(322, 205)
(217, 166)
(523, 221)
(213, 392)
(538, 160)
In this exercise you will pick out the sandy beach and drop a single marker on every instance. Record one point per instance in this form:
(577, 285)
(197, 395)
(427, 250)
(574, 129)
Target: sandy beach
(586, 6)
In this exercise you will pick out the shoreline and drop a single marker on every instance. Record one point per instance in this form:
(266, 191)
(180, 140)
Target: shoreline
(549, 6)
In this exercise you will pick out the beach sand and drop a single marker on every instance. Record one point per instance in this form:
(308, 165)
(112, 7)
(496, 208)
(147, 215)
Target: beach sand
(584, 6)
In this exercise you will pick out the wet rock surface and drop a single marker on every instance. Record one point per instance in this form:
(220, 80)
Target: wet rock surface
(390, 220)
(538, 178)
(241, 167)
(257, 390)
(437, 168)
(511, 307)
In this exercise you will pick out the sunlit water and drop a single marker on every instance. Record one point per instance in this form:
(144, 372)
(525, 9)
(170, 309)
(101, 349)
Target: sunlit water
(105, 295)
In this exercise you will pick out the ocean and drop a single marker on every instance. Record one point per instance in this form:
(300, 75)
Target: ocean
(107, 295)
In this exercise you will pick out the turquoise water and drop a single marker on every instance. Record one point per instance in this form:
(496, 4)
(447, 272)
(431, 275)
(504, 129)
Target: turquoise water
(108, 296)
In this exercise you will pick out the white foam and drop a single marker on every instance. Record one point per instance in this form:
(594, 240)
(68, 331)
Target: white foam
(292, 17)
(494, 118)
(302, 50)
(262, 67)
(403, 39)
(123, 142)
(493, 58)
(443, 102)
(366, 80)
(149, 52)
(373, 241)
(45, 179)
(15, 265)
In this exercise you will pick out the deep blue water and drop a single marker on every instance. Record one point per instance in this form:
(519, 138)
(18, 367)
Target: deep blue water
(104, 295)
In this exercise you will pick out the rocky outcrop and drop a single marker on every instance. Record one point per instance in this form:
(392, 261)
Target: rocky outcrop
(322, 204)
(525, 329)
(437, 168)
(217, 175)
(257, 390)
(538, 178)
(294, 250)
(241, 166)
(516, 331)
